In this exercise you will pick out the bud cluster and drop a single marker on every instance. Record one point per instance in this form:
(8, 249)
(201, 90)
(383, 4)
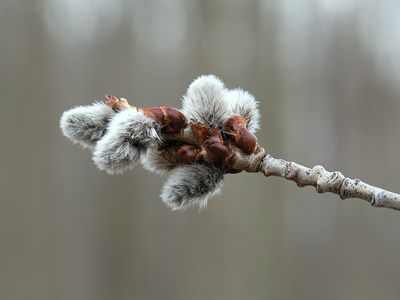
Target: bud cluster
(198, 143)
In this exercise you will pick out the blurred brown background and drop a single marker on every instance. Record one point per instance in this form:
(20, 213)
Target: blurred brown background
(327, 76)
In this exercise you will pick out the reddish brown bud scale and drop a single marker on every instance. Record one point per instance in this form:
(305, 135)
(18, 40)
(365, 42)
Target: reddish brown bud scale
(188, 154)
(248, 141)
(171, 119)
(175, 120)
(155, 113)
(202, 132)
(115, 103)
(236, 129)
(217, 151)
(214, 145)
(111, 100)
(181, 153)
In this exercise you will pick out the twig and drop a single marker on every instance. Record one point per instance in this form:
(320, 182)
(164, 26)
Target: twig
(333, 182)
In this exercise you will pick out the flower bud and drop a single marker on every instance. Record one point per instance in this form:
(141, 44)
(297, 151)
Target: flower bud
(171, 119)
(128, 136)
(86, 125)
(214, 145)
(205, 101)
(242, 103)
(191, 185)
(235, 129)
(188, 154)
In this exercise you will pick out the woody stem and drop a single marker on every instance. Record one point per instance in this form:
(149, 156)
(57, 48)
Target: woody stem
(333, 182)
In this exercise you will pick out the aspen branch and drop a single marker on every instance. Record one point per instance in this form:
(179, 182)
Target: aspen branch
(213, 135)
(333, 182)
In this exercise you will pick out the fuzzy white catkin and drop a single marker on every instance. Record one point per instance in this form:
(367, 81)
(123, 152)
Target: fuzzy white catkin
(191, 185)
(205, 101)
(87, 124)
(244, 104)
(129, 134)
(155, 162)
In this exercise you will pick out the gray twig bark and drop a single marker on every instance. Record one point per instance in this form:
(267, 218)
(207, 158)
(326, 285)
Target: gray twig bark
(333, 182)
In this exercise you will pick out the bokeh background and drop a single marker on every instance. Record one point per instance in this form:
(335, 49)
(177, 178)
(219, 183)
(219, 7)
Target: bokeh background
(326, 74)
